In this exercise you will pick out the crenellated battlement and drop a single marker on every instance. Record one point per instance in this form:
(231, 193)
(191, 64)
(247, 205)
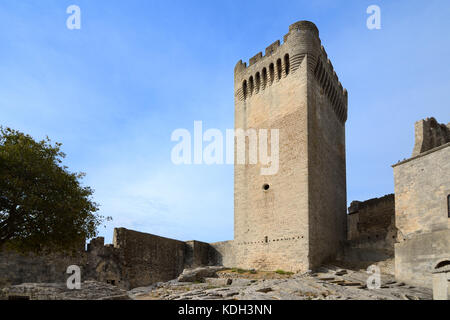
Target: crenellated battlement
(274, 48)
(430, 134)
(282, 60)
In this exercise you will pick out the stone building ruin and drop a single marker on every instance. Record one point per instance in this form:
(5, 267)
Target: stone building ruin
(371, 230)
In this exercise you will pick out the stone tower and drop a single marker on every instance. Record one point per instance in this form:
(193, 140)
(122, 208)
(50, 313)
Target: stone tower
(295, 219)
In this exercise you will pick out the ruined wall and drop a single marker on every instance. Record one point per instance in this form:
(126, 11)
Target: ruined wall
(371, 231)
(372, 219)
(17, 268)
(104, 264)
(298, 221)
(430, 134)
(135, 259)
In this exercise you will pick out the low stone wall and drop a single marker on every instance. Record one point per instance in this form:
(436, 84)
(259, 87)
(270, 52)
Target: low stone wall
(416, 258)
(135, 259)
(17, 268)
(366, 251)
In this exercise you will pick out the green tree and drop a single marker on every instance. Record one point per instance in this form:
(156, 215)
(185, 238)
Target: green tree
(42, 204)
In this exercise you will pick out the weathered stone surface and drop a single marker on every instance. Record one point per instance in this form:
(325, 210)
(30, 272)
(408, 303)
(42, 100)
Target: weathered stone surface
(199, 274)
(336, 284)
(135, 259)
(416, 258)
(371, 230)
(422, 186)
(422, 209)
(90, 290)
(17, 268)
(219, 281)
(198, 254)
(350, 285)
(372, 219)
(223, 253)
(430, 134)
(441, 279)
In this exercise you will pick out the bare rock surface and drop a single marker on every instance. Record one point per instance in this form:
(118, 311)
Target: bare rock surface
(90, 290)
(199, 274)
(328, 283)
(217, 283)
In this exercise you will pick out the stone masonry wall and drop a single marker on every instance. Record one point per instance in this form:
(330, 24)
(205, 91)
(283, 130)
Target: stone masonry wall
(422, 191)
(416, 258)
(147, 258)
(430, 134)
(293, 219)
(372, 219)
(17, 268)
(198, 254)
(327, 189)
(223, 254)
(422, 187)
(265, 218)
(135, 259)
(371, 231)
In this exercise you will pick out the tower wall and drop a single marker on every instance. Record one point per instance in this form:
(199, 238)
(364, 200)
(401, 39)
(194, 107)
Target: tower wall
(327, 113)
(298, 222)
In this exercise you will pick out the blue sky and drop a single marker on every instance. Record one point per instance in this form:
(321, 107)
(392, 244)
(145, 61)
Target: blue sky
(114, 91)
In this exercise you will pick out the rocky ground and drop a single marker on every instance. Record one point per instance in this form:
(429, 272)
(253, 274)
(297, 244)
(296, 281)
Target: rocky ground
(328, 283)
(90, 290)
(217, 283)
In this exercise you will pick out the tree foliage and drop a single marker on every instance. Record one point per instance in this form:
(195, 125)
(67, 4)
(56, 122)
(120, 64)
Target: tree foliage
(42, 204)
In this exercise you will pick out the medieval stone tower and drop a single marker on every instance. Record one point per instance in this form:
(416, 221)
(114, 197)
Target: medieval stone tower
(295, 219)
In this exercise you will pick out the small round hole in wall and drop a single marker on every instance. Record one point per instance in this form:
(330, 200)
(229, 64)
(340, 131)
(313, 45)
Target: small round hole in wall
(266, 187)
